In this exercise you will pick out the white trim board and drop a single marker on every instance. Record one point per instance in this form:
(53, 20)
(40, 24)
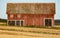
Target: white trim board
(15, 21)
(48, 18)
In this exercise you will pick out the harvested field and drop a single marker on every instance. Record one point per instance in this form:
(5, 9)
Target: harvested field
(14, 34)
(27, 32)
(22, 36)
(32, 30)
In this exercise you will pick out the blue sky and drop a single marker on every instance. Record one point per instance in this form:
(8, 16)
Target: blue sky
(3, 6)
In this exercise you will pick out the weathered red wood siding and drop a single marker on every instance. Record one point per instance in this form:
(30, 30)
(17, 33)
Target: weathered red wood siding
(32, 19)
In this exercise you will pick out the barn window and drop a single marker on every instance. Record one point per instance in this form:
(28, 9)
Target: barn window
(19, 22)
(11, 23)
(11, 16)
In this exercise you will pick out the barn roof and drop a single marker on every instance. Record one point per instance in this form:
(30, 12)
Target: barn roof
(31, 8)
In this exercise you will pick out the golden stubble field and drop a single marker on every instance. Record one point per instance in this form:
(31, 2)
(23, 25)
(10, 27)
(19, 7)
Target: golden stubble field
(29, 36)
(25, 32)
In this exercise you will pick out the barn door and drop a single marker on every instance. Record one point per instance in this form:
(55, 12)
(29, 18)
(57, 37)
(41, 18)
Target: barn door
(48, 22)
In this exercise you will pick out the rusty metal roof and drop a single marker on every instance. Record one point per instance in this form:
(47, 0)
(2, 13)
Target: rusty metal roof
(31, 8)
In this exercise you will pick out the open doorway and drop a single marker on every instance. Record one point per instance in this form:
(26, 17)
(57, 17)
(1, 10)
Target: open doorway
(48, 22)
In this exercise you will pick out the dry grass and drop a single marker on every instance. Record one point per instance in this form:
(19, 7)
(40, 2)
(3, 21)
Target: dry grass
(27, 32)
(14, 34)
(26, 35)
(21, 36)
(32, 30)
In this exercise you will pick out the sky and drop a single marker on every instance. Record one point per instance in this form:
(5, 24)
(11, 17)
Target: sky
(3, 6)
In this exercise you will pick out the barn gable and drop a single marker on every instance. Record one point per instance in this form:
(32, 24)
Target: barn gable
(31, 8)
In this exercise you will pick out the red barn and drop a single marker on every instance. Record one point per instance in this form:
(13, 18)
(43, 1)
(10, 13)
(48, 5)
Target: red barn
(30, 14)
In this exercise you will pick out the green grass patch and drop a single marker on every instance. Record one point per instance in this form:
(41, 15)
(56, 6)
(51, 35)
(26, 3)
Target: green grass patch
(3, 24)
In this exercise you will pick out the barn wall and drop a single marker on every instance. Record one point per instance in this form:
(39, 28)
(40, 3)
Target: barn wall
(32, 19)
